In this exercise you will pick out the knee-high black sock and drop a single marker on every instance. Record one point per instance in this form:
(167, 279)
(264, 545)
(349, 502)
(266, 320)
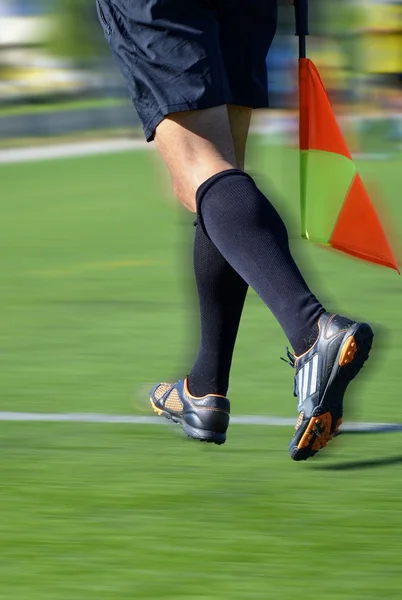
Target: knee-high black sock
(250, 234)
(221, 293)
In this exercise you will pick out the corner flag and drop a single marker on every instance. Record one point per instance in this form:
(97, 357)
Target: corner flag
(336, 209)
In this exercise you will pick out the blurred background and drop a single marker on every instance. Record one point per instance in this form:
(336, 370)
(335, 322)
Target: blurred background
(57, 76)
(97, 501)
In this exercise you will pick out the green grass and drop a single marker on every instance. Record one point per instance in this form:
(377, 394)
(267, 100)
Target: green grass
(78, 137)
(96, 512)
(23, 109)
(96, 303)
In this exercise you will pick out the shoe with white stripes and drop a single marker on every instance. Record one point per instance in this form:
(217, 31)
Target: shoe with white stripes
(322, 376)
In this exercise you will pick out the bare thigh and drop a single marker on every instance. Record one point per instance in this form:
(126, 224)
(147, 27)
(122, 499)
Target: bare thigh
(196, 145)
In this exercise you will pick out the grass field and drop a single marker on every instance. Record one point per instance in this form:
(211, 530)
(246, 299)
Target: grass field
(96, 303)
(44, 107)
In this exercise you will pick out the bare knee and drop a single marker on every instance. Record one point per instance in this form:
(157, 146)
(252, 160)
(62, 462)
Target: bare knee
(195, 146)
(184, 192)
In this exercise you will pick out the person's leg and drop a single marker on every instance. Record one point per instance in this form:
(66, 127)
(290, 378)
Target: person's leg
(163, 80)
(329, 349)
(199, 148)
(195, 145)
(221, 292)
(237, 217)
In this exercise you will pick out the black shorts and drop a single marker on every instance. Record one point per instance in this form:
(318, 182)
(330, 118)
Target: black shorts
(190, 54)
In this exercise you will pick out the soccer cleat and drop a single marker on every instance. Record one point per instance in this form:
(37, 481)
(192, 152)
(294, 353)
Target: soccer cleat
(205, 419)
(322, 376)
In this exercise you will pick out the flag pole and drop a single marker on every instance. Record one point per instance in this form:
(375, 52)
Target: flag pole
(341, 217)
(301, 13)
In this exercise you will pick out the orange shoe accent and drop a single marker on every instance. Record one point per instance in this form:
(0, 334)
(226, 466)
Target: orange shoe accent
(299, 421)
(156, 409)
(348, 352)
(198, 397)
(321, 442)
(318, 432)
(339, 423)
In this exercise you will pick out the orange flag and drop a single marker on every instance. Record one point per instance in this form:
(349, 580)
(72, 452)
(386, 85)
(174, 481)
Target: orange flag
(335, 206)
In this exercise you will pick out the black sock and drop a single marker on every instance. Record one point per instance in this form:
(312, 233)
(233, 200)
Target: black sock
(250, 234)
(221, 293)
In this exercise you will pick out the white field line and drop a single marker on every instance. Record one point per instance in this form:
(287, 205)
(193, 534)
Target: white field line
(358, 427)
(17, 155)
(270, 125)
(71, 150)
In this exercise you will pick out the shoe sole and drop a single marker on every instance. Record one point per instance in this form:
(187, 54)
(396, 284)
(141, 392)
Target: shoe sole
(202, 435)
(324, 424)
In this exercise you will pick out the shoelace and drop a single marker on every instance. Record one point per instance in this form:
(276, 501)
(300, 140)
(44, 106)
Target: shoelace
(291, 361)
(290, 358)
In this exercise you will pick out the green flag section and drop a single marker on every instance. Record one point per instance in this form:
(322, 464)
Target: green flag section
(326, 179)
(335, 206)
